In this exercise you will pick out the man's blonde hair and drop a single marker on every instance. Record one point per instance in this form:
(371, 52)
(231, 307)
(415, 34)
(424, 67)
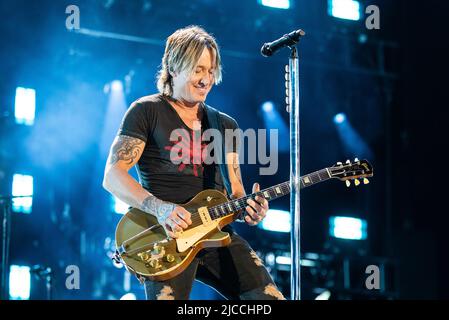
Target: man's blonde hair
(182, 52)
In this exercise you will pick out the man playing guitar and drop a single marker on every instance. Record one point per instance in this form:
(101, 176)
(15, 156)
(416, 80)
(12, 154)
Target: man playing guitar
(191, 65)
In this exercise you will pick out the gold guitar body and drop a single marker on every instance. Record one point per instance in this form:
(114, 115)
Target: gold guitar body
(145, 249)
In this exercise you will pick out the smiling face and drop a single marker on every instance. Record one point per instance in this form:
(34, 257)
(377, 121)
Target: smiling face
(193, 86)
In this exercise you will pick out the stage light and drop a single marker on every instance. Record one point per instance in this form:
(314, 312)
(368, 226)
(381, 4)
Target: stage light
(276, 220)
(117, 85)
(325, 295)
(344, 9)
(119, 206)
(283, 260)
(25, 106)
(129, 296)
(308, 263)
(19, 282)
(273, 121)
(268, 106)
(352, 141)
(348, 228)
(279, 4)
(339, 118)
(312, 256)
(22, 185)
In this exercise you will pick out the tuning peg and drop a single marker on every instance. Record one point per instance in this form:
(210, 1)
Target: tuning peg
(348, 162)
(356, 160)
(356, 182)
(365, 181)
(339, 163)
(348, 183)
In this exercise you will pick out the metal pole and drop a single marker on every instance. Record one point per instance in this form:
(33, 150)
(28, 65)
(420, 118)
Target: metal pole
(293, 103)
(5, 247)
(6, 235)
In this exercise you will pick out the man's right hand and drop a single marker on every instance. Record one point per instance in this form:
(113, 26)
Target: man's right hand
(170, 216)
(175, 221)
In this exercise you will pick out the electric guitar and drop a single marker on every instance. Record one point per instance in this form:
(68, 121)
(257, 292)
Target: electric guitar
(145, 249)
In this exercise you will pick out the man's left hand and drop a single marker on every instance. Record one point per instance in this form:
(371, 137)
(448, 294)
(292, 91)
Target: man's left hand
(257, 210)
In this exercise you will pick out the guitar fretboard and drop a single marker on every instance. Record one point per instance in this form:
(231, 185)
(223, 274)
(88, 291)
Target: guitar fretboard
(269, 194)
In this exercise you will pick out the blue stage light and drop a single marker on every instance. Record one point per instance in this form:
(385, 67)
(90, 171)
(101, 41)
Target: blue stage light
(339, 118)
(117, 85)
(344, 9)
(268, 106)
(273, 121)
(22, 185)
(276, 220)
(129, 296)
(348, 228)
(118, 206)
(285, 260)
(279, 4)
(25, 106)
(19, 282)
(352, 141)
(325, 295)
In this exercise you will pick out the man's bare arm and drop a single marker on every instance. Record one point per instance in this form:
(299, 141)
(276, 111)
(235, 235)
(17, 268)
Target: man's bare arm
(125, 153)
(235, 175)
(256, 210)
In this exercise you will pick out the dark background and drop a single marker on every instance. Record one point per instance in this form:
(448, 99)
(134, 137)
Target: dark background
(390, 83)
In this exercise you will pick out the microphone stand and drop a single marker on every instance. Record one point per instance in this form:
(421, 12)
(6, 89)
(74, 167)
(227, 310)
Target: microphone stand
(292, 84)
(6, 228)
(292, 99)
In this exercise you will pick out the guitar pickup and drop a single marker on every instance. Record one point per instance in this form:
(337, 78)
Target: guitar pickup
(204, 215)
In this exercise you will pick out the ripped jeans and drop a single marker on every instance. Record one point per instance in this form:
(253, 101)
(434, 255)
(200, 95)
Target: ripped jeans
(235, 271)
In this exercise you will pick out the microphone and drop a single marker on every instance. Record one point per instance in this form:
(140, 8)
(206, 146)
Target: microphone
(287, 40)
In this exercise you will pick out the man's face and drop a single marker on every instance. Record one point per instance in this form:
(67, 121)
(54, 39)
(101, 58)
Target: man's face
(194, 87)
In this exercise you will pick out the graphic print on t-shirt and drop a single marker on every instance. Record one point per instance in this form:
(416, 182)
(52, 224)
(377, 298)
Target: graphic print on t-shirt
(188, 150)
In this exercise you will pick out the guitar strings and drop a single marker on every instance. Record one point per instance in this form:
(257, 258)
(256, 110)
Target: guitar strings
(285, 187)
(242, 202)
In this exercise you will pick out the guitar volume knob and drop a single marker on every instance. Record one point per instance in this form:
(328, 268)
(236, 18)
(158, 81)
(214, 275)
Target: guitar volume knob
(144, 256)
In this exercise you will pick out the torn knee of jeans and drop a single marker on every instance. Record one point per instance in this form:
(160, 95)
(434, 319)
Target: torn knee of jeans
(256, 258)
(273, 291)
(166, 293)
(269, 292)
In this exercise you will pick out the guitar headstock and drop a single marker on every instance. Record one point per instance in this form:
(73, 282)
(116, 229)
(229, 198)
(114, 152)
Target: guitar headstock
(359, 169)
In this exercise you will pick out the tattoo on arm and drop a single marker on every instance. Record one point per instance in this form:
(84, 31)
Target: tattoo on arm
(160, 209)
(126, 149)
(236, 167)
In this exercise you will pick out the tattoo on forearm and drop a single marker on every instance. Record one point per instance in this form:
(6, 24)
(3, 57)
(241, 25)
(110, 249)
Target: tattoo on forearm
(236, 167)
(160, 209)
(126, 149)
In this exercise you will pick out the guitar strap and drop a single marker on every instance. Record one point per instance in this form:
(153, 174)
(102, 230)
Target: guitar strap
(213, 117)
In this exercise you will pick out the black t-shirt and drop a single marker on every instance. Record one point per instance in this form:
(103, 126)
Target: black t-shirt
(153, 119)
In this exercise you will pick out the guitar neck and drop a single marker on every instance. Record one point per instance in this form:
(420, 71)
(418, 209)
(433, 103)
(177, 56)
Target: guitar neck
(269, 194)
